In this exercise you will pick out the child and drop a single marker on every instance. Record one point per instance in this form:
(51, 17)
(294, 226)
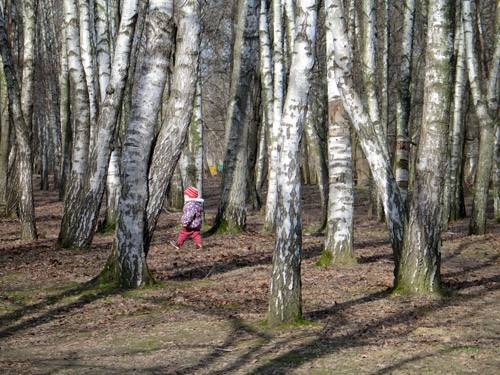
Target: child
(191, 218)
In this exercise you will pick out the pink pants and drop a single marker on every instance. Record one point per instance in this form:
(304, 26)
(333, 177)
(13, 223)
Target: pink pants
(185, 233)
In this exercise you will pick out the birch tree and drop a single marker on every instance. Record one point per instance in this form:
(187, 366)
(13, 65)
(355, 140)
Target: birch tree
(419, 269)
(339, 239)
(278, 94)
(20, 103)
(80, 214)
(285, 304)
(403, 103)
(485, 116)
(179, 111)
(127, 263)
(4, 140)
(377, 155)
(231, 214)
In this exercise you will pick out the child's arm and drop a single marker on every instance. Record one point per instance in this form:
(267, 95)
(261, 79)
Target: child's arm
(188, 215)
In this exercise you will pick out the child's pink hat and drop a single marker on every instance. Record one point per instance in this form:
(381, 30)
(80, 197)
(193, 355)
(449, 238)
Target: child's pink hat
(191, 192)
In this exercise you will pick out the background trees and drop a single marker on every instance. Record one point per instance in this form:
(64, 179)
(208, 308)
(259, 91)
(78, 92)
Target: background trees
(118, 104)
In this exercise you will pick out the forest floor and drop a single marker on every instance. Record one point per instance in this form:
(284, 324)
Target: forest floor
(206, 315)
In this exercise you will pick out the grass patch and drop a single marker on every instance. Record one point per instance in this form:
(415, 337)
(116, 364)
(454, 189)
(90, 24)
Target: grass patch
(325, 259)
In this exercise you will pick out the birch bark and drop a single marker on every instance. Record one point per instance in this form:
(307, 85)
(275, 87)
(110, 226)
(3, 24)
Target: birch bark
(487, 122)
(403, 103)
(21, 111)
(338, 247)
(278, 94)
(285, 304)
(81, 213)
(179, 111)
(377, 155)
(4, 140)
(419, 268)
(231, 214)
(127, 263)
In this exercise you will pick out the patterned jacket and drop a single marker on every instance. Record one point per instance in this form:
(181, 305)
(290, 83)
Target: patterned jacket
(192, 213)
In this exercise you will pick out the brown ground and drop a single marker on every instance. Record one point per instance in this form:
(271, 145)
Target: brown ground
(206, 314)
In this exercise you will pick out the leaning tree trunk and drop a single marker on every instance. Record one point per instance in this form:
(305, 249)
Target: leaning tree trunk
(369, 137)
(178, 112)
(403, 104)
(419, 269)
(339, 238)
(81, 213)
(231, 214)
(285, 302)
(127, 263)
(486, 121)
(21, 126)
(275, 131)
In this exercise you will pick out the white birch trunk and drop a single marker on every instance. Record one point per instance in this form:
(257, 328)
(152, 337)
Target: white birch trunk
(278, 94)
(64, 117)
(21, 128)
(285, 303)
(339, 239)
(81, 212)
(103, 47)
(179, 111)
(87, 55)
(376, 153)
(419, 269)
(127, 263)
(266, 77)
(403, 103)
(486, 120)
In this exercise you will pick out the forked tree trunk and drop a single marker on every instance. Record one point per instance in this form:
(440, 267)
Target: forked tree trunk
(486, 120)
(285, 302)
(127, 263)
(275, 131)
(81, 213)
(178, 114)
(419, 268)
(21, 127)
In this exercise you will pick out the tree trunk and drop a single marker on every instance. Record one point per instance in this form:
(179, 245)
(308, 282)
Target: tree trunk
(231, 214)
(81, 213)
(87, 56)
(21, 127)
(377, 155)
(103, 47)
(274, 134)
(4, 141)
(419, 269)
(192, 154)
(486, 121)
(403, 105)
(127, 263)
(456, 204)
(179, 112)
(285, 303)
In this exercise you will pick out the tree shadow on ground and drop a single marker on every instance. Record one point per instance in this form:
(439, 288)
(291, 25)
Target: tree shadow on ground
(87, 292)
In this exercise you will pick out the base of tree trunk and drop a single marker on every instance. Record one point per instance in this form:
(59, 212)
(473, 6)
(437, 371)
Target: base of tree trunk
(110, 277)
(28, 232)
(337, 258)
(418, 287)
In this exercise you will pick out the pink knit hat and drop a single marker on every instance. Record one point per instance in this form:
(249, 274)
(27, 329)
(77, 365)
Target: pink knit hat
(191, 192)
